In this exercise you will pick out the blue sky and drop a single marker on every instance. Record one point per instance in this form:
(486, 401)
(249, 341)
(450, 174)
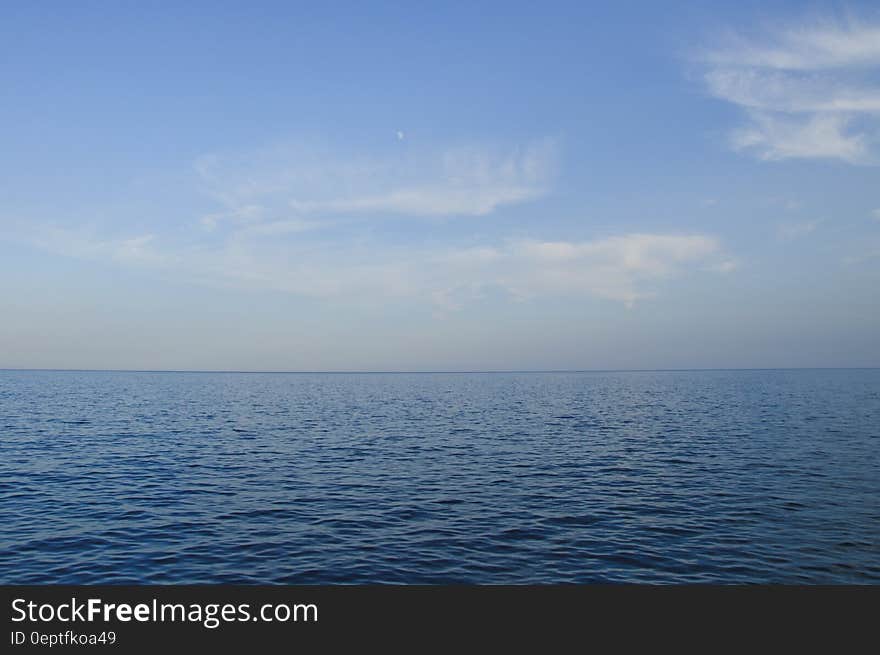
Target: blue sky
(378, 186)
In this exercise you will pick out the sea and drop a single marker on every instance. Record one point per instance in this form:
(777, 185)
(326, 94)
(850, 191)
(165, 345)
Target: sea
(724, 476)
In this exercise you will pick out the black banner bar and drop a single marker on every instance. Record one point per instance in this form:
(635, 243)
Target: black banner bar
(149, 618)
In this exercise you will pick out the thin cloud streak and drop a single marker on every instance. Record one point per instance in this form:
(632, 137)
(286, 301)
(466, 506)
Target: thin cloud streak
(619, 268)
(291, 182)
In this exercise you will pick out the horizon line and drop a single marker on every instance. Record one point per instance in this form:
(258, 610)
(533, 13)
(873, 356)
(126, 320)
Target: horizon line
(441, 371)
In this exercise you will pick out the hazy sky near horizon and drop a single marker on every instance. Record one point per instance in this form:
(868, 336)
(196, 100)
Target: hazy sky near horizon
(380, 186)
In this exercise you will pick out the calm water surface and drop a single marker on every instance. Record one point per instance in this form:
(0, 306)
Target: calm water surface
(718, 476)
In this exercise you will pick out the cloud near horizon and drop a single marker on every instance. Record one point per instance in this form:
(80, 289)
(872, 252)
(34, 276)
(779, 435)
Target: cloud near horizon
(620, 268)
(810, 90)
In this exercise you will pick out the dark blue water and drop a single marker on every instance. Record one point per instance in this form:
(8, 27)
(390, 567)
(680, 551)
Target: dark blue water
(720, 476)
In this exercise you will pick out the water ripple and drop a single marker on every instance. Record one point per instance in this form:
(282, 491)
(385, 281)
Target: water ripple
(720, 476)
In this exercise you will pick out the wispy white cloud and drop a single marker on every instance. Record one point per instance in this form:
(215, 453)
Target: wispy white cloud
(809, 90)
(876, 214)
(236, 214)
(277, 228)
(621, 268)
(84, 243)
(292, 182)
(426, 201)
(774, 137)
(784, 92)
(794, 230)
(815, 45)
